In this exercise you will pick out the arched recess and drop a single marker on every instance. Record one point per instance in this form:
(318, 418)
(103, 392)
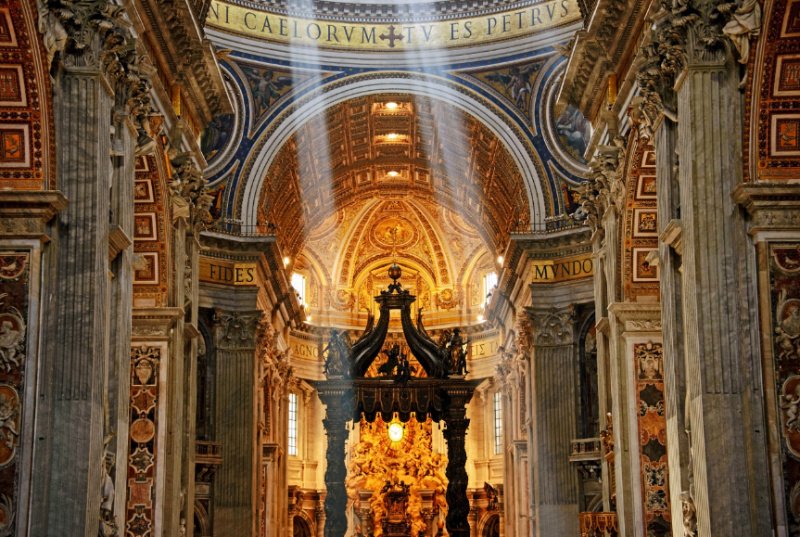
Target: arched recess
(639, 226)
(27, 159)
(247, 196)
(152, 233)
(490, 525)
(202, 522)
(589, 417)
(301, 527)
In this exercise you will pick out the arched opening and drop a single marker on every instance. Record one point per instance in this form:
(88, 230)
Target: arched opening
(300, 527)
(492, 527)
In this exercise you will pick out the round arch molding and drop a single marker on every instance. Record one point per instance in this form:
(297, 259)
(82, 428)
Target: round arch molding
(436, 88)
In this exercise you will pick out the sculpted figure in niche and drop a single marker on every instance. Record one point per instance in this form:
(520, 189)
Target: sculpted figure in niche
(458, 356)
(108, 526)
(338, 354)
(392, 360)
(689, 515)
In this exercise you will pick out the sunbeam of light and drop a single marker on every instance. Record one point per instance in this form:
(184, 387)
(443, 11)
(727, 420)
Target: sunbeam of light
(452, 153)
(313, 149)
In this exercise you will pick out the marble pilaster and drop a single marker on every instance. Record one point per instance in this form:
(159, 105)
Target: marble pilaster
(73, 420)
(724, 406)
(554, 369)
(629, 324)
(235, 336)
(670, 275)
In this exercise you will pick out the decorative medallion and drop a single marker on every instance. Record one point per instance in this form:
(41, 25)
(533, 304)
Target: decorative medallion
(142, 430)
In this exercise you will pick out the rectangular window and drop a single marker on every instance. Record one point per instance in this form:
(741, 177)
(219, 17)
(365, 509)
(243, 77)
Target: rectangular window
(489, 284)
(498, 423)
(299, 286)
(293, 424)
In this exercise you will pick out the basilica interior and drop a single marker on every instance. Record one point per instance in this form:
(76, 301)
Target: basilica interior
(410, 268)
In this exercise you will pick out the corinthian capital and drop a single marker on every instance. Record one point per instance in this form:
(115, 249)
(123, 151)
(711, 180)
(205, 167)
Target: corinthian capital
(236, 330)
(553, 326)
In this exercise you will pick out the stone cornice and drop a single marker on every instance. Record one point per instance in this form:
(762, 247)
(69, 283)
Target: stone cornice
(608, 41)
(566, 243)
(154, 324)
(177, 37)
(236, 245)
(772, 207)
(26, 213)
(637, 317)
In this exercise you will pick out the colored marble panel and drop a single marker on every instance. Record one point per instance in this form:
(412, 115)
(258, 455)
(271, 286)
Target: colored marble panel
(649, 366)
(784, 268)
(14, 282)
(142, 441)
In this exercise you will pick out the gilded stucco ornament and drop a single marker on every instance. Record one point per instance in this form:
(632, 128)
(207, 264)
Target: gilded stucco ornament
(190, 195)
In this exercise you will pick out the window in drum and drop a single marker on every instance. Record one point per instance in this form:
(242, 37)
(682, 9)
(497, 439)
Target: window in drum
(498, 423)
(489, 285)
(293, 424)
(299, 286)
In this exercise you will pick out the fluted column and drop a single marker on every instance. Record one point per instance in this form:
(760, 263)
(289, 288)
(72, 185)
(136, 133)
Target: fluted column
(721, 344)
(235, 416)
(670, 275)
(554, 372)
(71, 425)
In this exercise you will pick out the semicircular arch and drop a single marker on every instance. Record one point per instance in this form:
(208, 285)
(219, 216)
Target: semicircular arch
(248, 195)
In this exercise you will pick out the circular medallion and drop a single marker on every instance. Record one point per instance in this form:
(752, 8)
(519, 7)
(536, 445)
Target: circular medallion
(12, 266)
(142, 430)
(394, 232)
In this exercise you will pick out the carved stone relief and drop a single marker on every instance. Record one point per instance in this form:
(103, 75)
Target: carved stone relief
(14, 288)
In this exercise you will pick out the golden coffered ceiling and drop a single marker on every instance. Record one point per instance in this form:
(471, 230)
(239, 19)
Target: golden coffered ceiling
(422, 149)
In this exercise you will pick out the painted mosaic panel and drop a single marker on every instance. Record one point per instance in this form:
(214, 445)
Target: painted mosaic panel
(785, 289)
(649, 365)
(142, 449)
(14, 282)
(26, 148)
